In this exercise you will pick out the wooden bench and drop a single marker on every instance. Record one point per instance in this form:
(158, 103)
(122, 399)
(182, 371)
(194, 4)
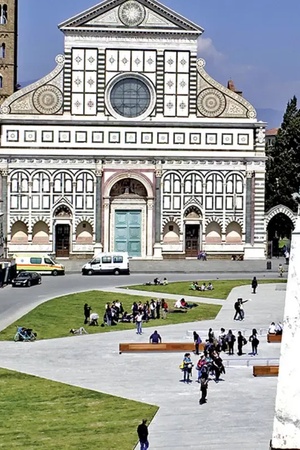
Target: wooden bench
(274, 338)
(164, 347)
(265, 371)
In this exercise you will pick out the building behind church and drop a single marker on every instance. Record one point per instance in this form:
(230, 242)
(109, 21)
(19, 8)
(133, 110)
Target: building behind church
(129, 145)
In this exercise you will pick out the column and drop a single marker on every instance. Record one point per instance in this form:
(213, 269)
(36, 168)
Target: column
(286, 428)
(149, 250)
(4, 208)
(98, 211)
(157, 246)
(249, 208)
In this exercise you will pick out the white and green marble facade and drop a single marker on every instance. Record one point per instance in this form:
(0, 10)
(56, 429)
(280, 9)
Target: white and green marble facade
(193, 158)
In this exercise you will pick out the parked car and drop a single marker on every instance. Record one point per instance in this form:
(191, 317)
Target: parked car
(26, 279)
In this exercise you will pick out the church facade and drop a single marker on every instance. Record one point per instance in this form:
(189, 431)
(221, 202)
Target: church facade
(129, 145)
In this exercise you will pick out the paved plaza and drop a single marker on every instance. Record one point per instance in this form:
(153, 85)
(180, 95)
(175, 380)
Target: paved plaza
(240, 410)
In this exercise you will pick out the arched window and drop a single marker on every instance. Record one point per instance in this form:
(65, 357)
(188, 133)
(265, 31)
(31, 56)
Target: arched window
(63, 183)
(234, 192)
(40, 198)
(2, 50)
(3, 14)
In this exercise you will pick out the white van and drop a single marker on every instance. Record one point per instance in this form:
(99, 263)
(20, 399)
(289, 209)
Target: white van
(115, 262)
(38, 262)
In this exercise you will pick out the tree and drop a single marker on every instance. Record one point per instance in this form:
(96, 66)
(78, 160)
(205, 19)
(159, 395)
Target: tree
(283, 161)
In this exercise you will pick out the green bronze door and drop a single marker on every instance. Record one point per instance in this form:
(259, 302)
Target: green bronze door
(128, 232)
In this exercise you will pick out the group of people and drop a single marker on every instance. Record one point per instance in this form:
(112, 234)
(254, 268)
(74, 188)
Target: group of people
(225, 342)
(158, 282)
(275, 328)
(210, 364)
(203, 287)
(239, 309)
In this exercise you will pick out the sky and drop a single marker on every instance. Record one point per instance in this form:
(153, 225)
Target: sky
(255, 43)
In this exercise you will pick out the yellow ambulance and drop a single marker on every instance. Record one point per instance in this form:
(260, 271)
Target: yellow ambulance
(38, 262)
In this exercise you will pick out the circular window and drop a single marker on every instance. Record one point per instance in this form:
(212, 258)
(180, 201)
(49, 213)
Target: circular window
(130, 97)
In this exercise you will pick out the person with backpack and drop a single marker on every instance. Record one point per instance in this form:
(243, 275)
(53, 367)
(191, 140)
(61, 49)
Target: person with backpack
(241, 341)
(254, 341)
(197, 342)
(202, 367)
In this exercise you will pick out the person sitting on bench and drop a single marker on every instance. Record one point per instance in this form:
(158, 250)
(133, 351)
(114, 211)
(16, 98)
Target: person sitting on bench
(155, 338)
(272, 328)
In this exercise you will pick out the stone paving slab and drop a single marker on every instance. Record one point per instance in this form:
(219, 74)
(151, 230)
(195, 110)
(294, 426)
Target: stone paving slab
(240, 409)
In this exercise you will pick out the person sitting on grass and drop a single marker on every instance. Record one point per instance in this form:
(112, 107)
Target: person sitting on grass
(126, 318)
(165, 282)
(94, 320)
(203, 287)
(195, 286)
(210, 286)
(80, 330)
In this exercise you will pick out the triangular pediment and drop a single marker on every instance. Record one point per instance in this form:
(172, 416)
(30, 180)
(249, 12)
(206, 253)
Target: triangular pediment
(124, 15)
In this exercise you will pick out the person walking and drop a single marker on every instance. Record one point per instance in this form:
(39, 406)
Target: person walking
(241, 341)
(203, 390)
(142, 431)
(197, 342)
(254, 341)
(237, 308)
(138, 322)
(254, 284)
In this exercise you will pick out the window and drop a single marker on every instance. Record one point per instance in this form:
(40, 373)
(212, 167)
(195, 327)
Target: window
(1, 81)
(130, 97)
(106, 259)
(118, 259)
(35, 260)
(2, 50)
(48, 261)
(3, 14)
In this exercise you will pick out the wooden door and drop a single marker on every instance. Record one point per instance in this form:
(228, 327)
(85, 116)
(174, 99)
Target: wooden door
(62, 240)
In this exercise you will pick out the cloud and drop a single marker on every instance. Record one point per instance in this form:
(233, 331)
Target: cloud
(206, 49)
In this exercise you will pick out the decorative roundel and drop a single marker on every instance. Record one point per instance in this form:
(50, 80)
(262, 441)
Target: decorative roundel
(48, 99)
(211, 103)
(5, 109)
(251, 114)
(59, 59)
(132, 13)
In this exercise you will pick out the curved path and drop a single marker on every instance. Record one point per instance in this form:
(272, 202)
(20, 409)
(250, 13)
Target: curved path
(240, 409)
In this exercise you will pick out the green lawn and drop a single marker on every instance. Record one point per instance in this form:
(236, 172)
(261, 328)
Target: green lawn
(45, 415)
(222, 288)
(54, 318)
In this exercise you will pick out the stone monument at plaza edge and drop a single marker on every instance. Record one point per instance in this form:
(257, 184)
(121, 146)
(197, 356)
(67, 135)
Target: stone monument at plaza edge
(286, 429)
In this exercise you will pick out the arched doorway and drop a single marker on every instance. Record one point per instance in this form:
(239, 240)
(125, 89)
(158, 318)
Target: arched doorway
(62, 216)
(130, 218)
(280, 222)
(193, 231)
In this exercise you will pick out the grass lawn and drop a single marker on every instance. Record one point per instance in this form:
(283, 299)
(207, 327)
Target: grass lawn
(222, 288)
(45, 415)
(54, 318)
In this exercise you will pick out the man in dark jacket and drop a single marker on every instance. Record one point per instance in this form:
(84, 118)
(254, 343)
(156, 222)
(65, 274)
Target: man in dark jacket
(142, 431)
